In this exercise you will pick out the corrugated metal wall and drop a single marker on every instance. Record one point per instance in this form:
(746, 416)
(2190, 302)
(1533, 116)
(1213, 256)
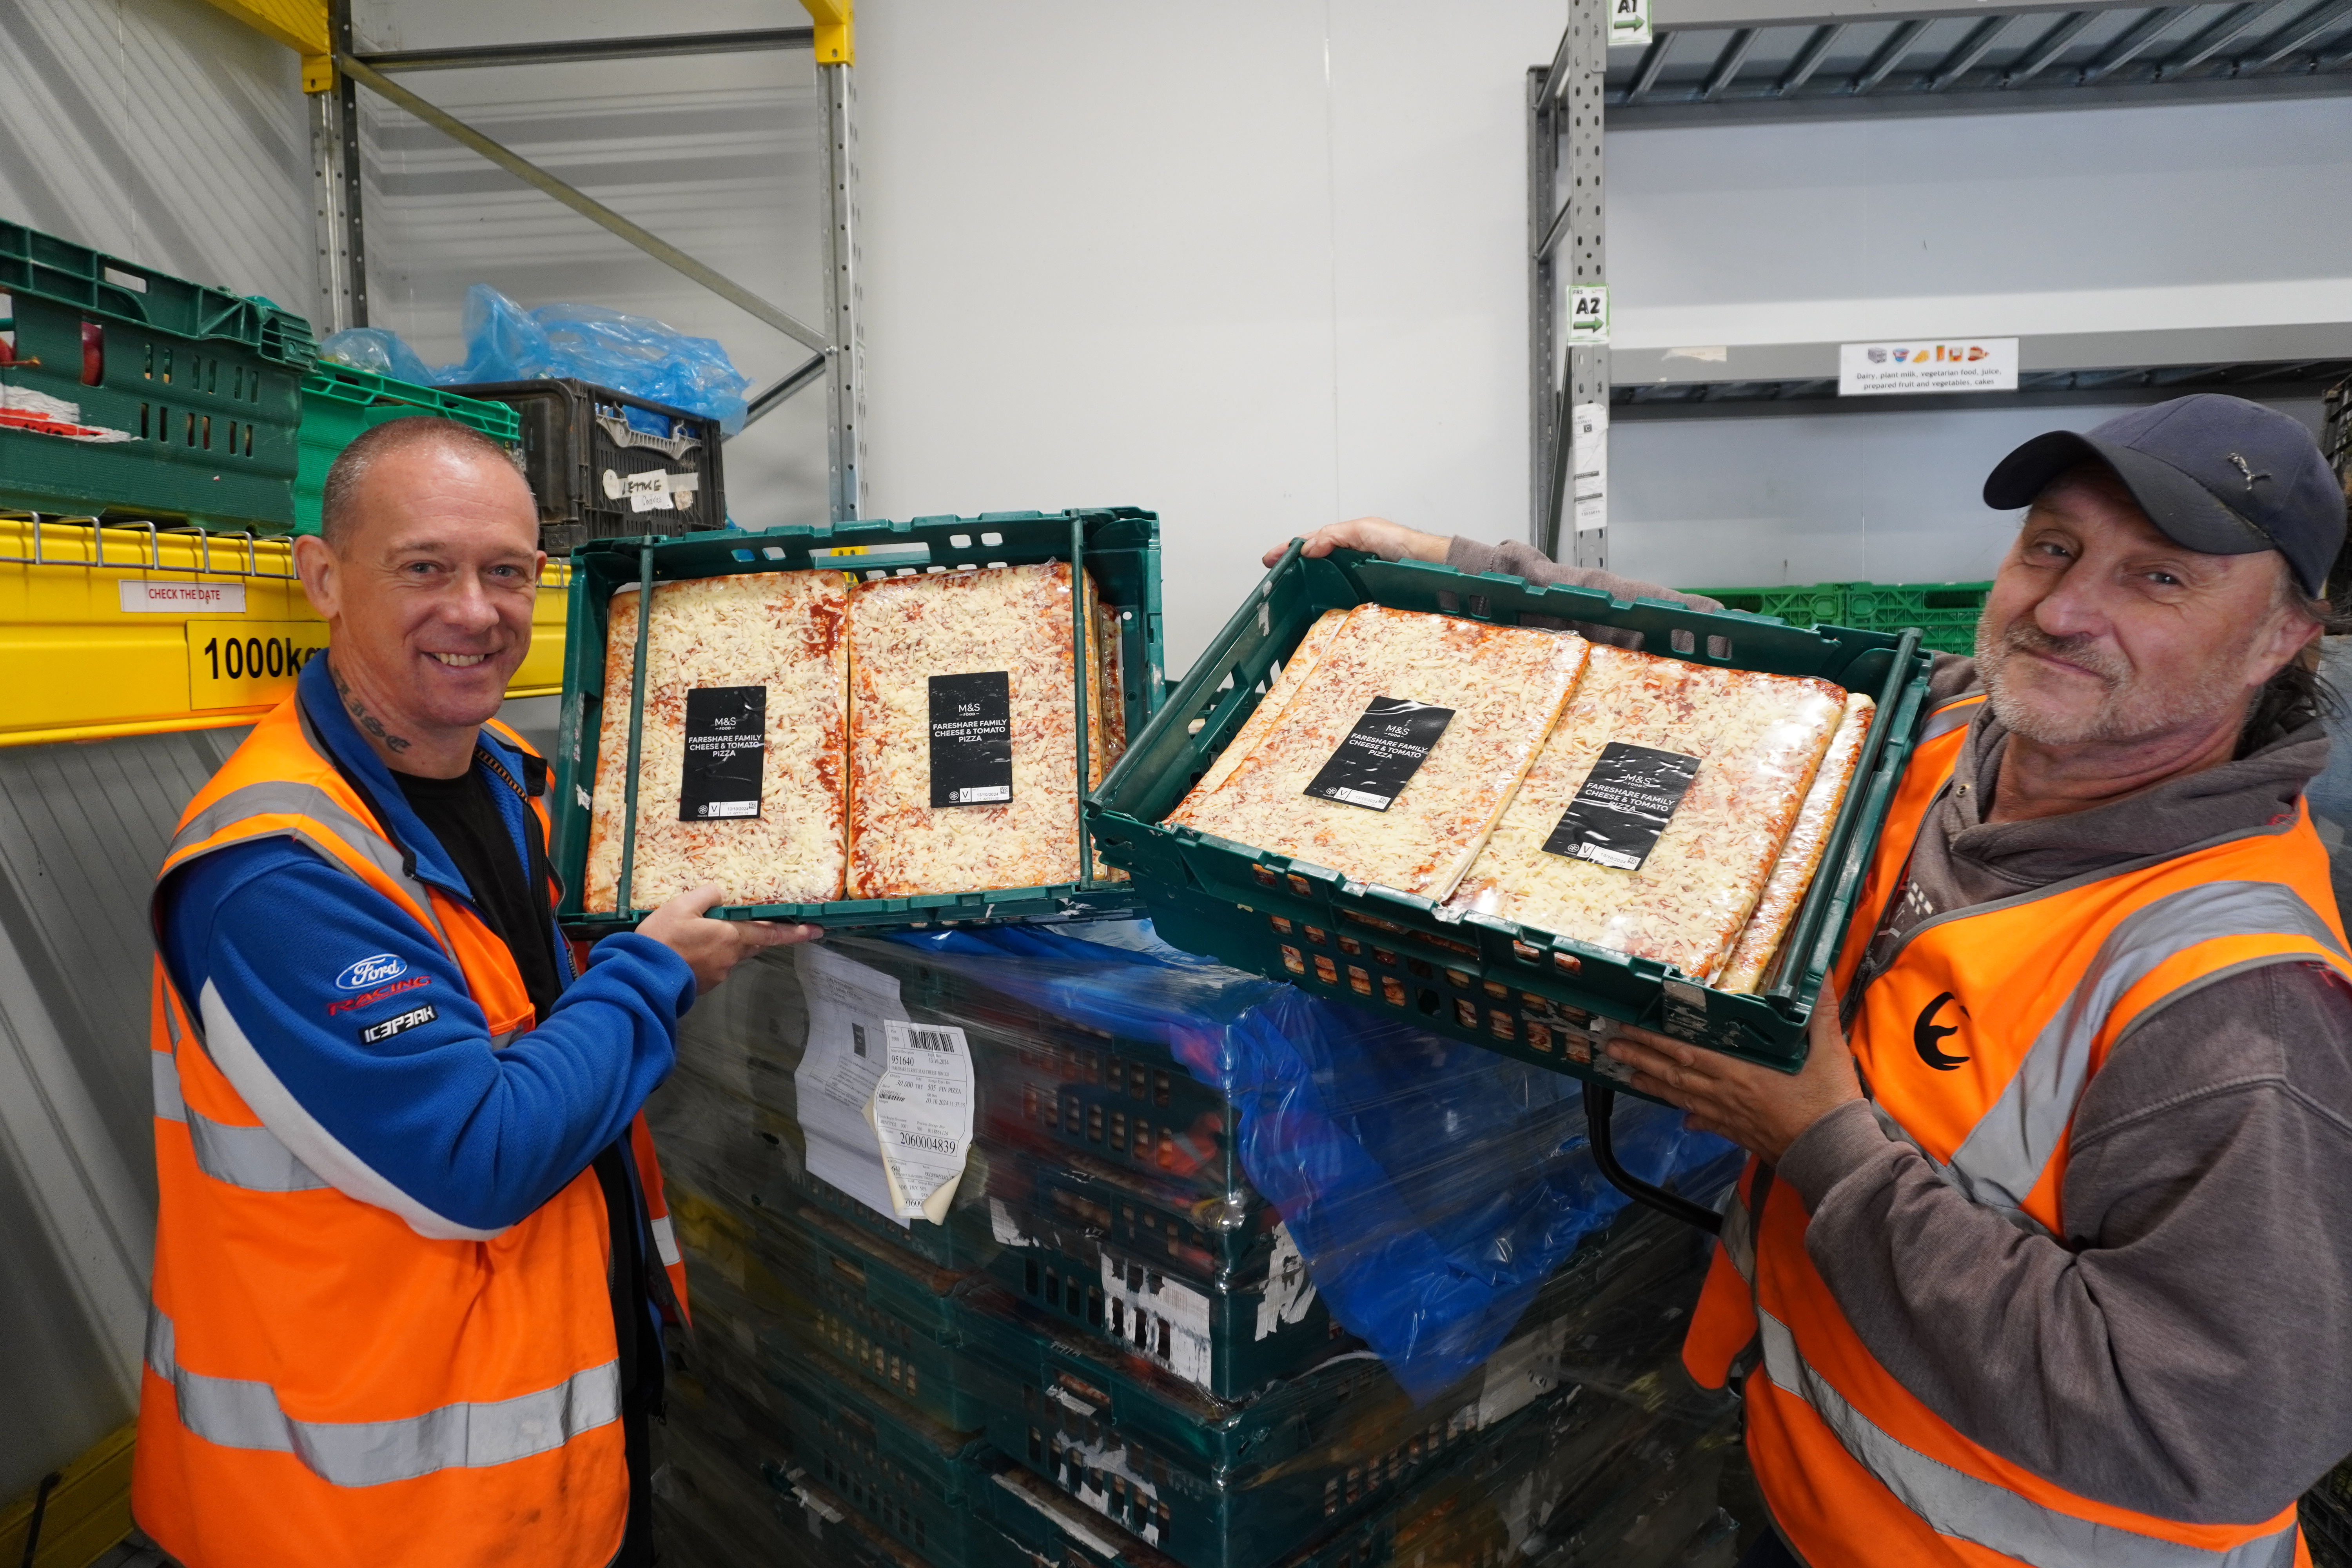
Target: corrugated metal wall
(82, 828)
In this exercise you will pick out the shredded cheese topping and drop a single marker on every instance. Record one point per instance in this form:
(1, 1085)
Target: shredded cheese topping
(1506, 686)
(1801, 858)
(782, 630)
(1759, 739)
(903, 631)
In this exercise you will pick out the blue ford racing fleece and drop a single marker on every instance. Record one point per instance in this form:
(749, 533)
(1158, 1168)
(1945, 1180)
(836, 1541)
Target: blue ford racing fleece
(350, 1035)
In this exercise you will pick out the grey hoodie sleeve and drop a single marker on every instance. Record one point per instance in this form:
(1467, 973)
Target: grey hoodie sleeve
(2187, 1352)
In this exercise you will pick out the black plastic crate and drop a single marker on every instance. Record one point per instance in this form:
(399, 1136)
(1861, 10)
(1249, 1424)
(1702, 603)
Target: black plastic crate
(584, 447)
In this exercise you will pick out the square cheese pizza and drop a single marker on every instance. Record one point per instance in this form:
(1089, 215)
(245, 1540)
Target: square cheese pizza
(1685, 780)
(1800, 856)
(963, 732)
(758, 651)
(1412, 729)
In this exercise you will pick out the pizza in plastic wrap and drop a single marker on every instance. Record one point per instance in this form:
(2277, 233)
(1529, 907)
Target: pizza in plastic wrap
(903, 631)
(1505, 685)
(1757, 739)
(1800, 856)
(778, 630)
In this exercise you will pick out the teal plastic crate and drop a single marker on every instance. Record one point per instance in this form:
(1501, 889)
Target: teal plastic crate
(1805, 605)
(889, 1317)
(1945, 613)
(1209, 1292)
(1118, 546)
(1518, 989)
(917, 1481)
(187, 399)
(1213, 1483)
(340, 404)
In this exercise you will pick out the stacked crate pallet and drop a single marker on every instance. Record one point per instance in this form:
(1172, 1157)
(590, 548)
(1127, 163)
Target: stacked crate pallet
(1108, 1350)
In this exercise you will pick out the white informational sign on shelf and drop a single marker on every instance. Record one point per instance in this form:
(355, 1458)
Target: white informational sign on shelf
(1587, 314)
(1629, 24)
(1587, 428)
(1931, 365)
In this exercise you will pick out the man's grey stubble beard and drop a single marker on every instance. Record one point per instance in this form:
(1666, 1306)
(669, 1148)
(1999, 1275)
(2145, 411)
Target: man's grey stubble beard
(2130, 711)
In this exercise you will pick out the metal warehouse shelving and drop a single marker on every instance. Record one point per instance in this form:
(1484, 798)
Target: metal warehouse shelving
(1733, 62)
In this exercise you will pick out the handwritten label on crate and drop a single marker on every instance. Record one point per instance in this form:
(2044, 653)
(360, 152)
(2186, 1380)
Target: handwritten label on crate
(247, 664)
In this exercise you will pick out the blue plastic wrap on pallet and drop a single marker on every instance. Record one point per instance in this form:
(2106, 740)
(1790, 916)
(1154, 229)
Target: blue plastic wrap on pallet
(1429, 1185)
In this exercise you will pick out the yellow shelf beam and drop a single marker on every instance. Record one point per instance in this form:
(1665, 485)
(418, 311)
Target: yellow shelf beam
(836, 42)
(300, 24)
(122, 629)
(86, 1513)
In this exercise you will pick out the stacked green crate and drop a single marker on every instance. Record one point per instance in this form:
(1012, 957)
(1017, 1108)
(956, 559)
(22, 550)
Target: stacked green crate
(1945, 613)
(340, 403)
(1109, 1353)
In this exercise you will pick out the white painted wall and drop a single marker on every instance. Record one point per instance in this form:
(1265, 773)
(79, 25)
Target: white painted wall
(1255, 265)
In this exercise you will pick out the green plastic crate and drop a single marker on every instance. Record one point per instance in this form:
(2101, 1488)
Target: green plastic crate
(891, 1318)
(1514, 988)
(1184, 1284)
(201, 389)
(1805, 605)
(338, 404)
(1945, 613)
(919, 1481)
(1118, 546)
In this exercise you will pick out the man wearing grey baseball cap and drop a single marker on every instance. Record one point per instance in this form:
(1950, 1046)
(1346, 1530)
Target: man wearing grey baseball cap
(2042, 1259)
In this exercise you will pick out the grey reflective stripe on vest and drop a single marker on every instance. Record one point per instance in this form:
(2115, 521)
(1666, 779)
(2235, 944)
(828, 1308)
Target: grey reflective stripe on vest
(164, 1069)
(237, 1413)
(1962, 1506)
(1944, 721)
(273, 797)
(2003, 1156)
(247, 1157)
(1739, 1237)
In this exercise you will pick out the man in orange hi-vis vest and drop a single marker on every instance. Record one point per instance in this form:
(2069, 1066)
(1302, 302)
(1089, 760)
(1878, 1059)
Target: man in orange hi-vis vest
(2042, 1259)
(411, 1253)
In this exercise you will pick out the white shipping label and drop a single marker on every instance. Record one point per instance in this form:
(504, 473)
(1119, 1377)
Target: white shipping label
(1588, 426)
(922, 1115)
(181, 598)
(1932, 364)
(1167, 1321)
(649, 492)
(1587, 314)
(1288, 1291)
(850, 1008)
(1521, 1373)
(1629, 24)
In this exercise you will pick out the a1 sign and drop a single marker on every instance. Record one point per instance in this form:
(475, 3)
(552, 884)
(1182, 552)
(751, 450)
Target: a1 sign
(1629, 23)
(1587, 314)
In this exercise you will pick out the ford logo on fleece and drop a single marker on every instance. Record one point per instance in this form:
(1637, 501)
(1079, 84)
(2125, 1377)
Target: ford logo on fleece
(370, 972)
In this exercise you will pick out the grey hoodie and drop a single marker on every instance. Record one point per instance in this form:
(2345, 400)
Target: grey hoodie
(2185, 1349)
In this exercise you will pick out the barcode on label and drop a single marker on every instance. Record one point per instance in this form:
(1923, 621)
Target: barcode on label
(930, 1039)
(731, 808)
(985, 793)
(1360, 798)
(1613, 857)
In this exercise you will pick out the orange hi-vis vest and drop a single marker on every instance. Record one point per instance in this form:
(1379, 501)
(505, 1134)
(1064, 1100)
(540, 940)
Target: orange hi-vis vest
(1975, 1044)
(323, 1383)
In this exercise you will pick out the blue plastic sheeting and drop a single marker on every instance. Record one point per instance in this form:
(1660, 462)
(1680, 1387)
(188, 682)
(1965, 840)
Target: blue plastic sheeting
(1430, 1187)
(635, 355)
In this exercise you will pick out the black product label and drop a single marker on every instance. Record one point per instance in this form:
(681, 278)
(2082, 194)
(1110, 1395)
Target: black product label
(1624, 803)
(726, 744)
(972, 738)
(1386, 748)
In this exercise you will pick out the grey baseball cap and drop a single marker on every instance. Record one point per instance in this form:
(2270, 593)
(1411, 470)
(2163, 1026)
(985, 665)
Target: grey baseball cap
(2219, 475)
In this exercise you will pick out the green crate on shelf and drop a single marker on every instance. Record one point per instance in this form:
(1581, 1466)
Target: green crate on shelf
(1945, 613)
(126, 392)
(1118, 546)
(1517, 989)
(339, 403)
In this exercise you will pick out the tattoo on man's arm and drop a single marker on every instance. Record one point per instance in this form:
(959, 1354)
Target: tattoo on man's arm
(365, 719)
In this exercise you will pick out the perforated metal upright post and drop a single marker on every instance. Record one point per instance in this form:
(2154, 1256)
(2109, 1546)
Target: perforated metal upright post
(1564, 249)
(335, 187)
(846, 360)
